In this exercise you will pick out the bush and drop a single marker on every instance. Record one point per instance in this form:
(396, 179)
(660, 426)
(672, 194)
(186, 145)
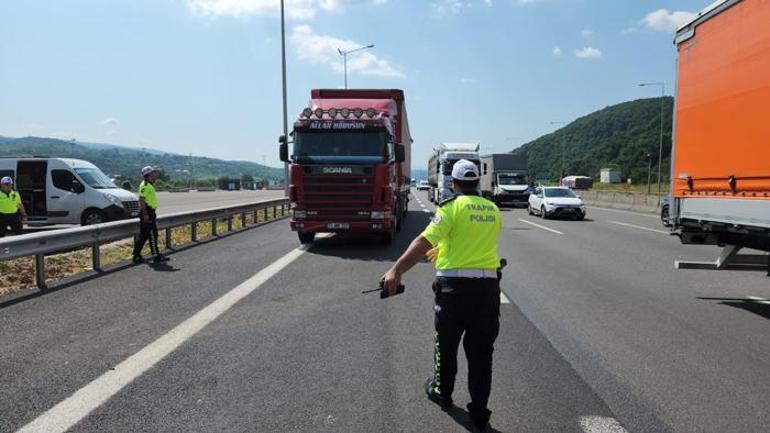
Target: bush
(126, 185)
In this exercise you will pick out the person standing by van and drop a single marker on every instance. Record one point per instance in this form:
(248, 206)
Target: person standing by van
(12, 212)
(148, 206)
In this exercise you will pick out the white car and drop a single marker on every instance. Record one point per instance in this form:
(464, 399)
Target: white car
(556, 202)
(423, 185)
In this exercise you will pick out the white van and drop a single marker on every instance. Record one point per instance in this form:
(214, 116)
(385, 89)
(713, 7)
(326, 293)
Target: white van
(67, 191)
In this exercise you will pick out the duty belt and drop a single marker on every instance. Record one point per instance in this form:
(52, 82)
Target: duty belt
(466, 273)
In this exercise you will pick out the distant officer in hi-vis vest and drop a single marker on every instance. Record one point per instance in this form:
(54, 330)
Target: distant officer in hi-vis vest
(148, 227)
(12, 212)
(462, 238)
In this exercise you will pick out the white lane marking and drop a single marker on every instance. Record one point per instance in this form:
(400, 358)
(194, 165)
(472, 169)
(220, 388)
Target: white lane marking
(504, 299)
(758, 300)
(541, 227)
(74, 408)
(422, 205)
(600, 424)
(625, 211)
(634, 226)
(426, 210)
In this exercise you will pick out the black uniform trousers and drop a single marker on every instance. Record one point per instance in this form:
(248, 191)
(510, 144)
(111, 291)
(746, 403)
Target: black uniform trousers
(12, 220)
(469, 306)
(148, 230)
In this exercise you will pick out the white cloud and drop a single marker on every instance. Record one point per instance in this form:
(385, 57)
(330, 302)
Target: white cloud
(469, 80)
(665, 21)
(587, 33)
(322, 50)
(110, 121)
(589, 53)
(556, 51)
(113, 133)
(295, 9)
(455, 6)
(629, 30)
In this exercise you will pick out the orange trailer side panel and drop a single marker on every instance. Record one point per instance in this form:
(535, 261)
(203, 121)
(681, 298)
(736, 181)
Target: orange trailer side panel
(722, 146)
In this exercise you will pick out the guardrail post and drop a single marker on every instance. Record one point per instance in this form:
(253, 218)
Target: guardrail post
(243, 220)
(229, 223)
(214, 227)
(96, 258)
(275, 212)
(40, 271)
(265, 214)
(169, 241)
(256, 217)
(194, 232)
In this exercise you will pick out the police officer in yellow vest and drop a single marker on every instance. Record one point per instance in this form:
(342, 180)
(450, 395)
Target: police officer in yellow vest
(12, 213)
(465, 232)
(148, 227)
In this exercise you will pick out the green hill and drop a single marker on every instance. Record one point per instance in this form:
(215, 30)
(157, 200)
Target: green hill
(619, 136)
(127, 162)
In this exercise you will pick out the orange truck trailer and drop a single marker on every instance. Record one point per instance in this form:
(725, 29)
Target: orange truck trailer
(721, 155)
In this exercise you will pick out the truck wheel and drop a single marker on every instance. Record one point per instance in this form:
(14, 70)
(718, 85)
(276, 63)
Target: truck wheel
(92, 216)
(306, 237)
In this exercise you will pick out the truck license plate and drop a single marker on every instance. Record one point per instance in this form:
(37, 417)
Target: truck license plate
(338, 226)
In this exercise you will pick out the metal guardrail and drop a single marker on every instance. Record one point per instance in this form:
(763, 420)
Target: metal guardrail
(40, 244)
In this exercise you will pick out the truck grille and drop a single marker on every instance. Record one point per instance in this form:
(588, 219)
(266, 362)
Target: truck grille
(338, 192)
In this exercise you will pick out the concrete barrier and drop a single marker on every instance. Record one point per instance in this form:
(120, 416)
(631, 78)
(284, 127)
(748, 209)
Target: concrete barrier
(622, 200)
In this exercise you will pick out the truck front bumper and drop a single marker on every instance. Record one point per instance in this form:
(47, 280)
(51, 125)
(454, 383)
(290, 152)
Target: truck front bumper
(341, 226)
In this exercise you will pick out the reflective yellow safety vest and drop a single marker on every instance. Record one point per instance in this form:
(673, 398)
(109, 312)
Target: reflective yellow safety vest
(465, 229)
(9, 202)
(147, 191)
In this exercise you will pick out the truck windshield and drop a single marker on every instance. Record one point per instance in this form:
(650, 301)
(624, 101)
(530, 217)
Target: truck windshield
(511, 180)
(450, 163)
(95, 178)
(351, 147)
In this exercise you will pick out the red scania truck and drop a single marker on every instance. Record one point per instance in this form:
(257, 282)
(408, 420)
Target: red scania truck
(350, 164)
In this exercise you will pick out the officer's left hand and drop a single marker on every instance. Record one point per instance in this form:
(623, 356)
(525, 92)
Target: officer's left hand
(391, 280)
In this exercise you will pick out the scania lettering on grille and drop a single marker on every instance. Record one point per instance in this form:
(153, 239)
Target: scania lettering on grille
(337, 170)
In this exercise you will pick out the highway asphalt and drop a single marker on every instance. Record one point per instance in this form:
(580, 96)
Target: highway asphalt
(600, 332)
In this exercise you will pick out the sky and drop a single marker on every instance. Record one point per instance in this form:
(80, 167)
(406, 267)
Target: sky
(204, 76)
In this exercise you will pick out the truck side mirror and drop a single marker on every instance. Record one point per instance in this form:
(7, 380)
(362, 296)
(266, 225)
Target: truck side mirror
(400, 153)
(283, 149)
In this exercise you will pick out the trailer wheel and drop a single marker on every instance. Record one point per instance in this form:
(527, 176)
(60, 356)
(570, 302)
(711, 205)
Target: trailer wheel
(306, 237)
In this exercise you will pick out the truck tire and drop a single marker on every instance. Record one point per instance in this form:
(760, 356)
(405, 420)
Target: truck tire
(306, 237)
(92, 216)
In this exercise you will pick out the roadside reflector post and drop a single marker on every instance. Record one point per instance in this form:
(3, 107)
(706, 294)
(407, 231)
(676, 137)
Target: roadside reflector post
(214, 227)
(243, 220)
(40, 271)
(169, 241)
(229, 223)
(96, 259)
(194, 232)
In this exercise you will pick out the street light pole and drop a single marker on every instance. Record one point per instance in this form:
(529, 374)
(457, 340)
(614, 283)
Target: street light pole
(660, 144)
(344, 55)
(563, 137)
(285, 111)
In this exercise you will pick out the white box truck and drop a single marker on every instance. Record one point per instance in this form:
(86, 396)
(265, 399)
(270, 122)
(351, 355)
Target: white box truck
(440, 167)
(504, 179)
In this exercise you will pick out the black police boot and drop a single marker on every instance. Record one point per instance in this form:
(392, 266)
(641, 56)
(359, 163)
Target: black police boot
(434, 396)
(137, 260)
(479, 417)
(160, 258)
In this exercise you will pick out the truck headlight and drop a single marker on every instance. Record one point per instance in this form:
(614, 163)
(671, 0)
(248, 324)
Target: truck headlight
(299, 214)
(378, 215)
(114, 200)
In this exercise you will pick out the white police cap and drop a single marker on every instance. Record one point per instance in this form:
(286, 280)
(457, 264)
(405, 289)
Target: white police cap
(147, 170)
(6, 179)
(465, 170)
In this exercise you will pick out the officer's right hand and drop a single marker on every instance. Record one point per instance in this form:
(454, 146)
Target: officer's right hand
(390, 281)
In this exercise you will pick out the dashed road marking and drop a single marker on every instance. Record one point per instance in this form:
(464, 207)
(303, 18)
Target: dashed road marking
(74, 408)
(646, 215)
(639, 227)
(504, 299)
(758, 300)
(541, 227)
(601, 424)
